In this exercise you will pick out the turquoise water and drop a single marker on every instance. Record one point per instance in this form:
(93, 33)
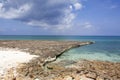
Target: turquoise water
(106, 48)
(101, 50)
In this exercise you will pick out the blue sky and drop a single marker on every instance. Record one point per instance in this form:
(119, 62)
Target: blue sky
(63, 17)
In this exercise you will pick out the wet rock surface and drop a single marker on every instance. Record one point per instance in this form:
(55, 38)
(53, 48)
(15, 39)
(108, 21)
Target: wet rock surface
(45, 67)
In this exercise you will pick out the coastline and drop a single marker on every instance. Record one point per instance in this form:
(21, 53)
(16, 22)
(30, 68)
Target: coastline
(48, 51)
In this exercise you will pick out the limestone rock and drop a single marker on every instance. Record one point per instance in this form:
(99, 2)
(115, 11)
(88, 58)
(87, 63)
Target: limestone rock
(85, 78)
(68, 78)
(91, 75)
(36, 79)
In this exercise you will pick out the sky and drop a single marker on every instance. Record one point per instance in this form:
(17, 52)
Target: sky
(60, 17)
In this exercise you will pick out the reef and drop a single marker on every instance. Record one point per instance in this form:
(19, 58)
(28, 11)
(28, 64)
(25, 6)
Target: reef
(45, 67)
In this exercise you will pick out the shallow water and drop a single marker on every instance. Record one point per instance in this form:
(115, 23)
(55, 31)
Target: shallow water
(106, 48)
(101, 50)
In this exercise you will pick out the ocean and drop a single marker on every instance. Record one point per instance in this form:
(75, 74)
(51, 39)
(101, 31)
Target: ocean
(106, 48)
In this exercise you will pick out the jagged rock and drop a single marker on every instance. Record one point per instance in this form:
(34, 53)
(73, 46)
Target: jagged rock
(99, 78)
(92, 75)
(81, 70)
(85, 78)
(68, 78)
(36, 79)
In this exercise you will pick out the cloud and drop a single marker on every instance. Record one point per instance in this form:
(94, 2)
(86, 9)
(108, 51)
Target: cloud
(13, 13)
(87, 25)
(78, 6)
(41, 13)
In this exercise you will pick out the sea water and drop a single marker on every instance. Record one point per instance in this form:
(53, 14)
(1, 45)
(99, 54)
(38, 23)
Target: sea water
(106, 48)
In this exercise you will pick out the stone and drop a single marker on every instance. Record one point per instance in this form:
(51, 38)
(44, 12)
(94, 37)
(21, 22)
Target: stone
(85, 78)
(36, 79)
(91, 75)
(80, 70)
(68, 78)
(99, 78)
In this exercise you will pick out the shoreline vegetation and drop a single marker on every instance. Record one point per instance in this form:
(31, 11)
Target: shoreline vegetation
(45, 66)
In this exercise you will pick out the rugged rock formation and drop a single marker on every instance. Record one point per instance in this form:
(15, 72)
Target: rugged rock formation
(85, 70)
(47, 50)
(46, 68)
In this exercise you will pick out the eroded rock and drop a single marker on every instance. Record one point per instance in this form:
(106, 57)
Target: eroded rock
(81, 70)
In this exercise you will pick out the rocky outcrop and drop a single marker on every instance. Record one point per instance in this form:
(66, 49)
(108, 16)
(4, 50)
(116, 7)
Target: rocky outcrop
(86, 70)
(48, 52)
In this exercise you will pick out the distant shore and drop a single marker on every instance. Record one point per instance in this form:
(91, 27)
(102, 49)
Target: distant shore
(45, 67)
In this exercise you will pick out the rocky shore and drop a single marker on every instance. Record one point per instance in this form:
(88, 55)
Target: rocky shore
(45, 66)
(47, 50)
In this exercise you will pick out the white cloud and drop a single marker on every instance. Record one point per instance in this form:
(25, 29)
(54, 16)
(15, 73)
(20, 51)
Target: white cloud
(41, 13)
(14, 12)
(1, 5)
(38, 23)
(87, 25)
(71, 7)
(65, 24)
(78, 6)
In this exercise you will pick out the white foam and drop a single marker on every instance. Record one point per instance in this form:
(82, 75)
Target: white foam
(10, 58)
